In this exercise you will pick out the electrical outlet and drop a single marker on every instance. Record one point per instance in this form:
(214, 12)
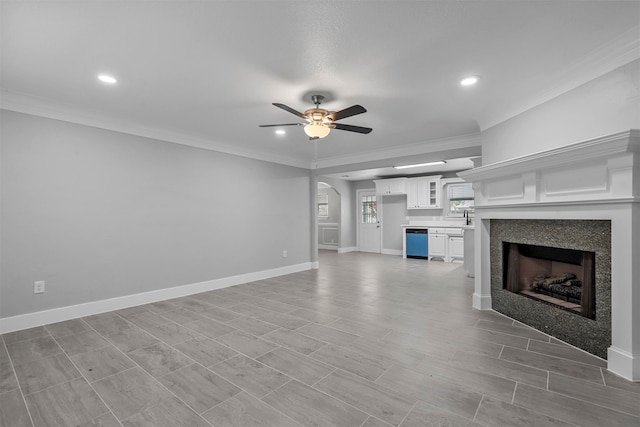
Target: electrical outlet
(38, 287)
(284, 254)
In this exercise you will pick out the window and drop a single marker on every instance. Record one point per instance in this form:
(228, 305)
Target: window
(460, 198)
(323, 205)
(369, 210)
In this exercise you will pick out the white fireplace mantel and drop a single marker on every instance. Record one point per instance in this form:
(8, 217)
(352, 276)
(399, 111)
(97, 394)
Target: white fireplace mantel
(594, 179)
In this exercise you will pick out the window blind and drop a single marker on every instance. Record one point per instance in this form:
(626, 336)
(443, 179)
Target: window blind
(461, 191)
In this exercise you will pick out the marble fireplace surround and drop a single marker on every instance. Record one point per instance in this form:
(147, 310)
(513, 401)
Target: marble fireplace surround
(598, 179)
(592, 335)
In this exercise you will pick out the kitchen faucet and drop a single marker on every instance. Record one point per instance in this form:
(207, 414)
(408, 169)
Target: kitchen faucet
(465, 214)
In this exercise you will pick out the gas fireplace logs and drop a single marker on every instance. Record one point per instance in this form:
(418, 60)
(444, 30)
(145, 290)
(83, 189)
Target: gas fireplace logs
(562, 286)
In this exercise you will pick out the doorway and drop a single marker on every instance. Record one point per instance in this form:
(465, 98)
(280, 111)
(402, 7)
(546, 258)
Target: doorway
(369, 220)
(329, 217)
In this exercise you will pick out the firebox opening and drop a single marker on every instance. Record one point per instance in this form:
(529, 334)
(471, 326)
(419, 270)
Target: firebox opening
(561, 277)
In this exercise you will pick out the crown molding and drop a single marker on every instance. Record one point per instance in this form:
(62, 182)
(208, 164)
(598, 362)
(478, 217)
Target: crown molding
(602, 147)
(436, 145)
(37, 106)
(621, 51)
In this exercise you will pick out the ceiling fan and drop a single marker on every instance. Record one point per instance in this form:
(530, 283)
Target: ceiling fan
(320, 121)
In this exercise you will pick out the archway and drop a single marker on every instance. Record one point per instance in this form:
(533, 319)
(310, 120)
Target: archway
(329, 217)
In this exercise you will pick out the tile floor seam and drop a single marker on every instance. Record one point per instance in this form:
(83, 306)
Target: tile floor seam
(150, 345)
(548, 378)
(326, 376)
(159, 383)
(580, 400)
(276, 409)
(92, 388)
(73, 333)
(340, 400)
(501, 350)
(564, 358)
(153, 406)
(586, 401)
(365, 421)
(109, 343)
(513, 395)
(28, 339)
(385, 371)
(290, 378)
(594, 403)
(480, 404)
(185, 403)
(272, 391)
(322, 341)
(410, 410)
(273, 408)
(22, 395)
(513, 335)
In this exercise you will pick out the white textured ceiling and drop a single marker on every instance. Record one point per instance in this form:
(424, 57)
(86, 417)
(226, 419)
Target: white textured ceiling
(205, 73)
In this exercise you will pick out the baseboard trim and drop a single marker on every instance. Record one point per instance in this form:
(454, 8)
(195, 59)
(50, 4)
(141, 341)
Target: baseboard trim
(45, 317)
(623, 363)
(347, 249)
(392, 252)
(328, 247)
(481, 302)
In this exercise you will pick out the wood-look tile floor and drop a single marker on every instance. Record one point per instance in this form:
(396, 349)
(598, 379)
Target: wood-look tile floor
(366, 340)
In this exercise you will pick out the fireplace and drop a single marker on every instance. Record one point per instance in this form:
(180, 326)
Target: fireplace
(583, 196)
(563, 278)
(524, 250)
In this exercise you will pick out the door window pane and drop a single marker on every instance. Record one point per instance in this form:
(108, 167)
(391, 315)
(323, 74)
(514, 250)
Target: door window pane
(369, 210)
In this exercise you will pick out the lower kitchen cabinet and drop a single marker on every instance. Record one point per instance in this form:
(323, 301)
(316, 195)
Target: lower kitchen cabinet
(446, 243)
(456, 248)
(437, 243)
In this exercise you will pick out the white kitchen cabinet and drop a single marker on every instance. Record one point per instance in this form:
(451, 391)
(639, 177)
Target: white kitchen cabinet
(387, 187)
(424, 192)
(456, 248)
(437, 243)
(412, 193)
(446, 243)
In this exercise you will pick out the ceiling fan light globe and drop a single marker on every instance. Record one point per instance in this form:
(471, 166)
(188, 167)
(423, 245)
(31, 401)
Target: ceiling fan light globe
(316, 130)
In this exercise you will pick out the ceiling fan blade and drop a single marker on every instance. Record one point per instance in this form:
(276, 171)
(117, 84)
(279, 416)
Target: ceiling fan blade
(348, 112)
(282, 124)
(350, 128)
(291, 110)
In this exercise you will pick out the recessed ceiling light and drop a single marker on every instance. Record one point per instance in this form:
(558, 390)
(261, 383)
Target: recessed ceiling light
(105, 78)
(439, 162)
(469, 81)
(280, 132)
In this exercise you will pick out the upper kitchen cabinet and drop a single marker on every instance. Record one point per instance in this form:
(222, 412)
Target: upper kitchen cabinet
(387, 187)
(424, 192)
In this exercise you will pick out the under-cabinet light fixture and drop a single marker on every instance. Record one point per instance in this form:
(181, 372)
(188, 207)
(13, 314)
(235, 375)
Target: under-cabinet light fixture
(439, 162)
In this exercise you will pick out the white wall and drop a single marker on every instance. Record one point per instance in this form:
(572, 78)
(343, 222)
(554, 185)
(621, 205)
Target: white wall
(99, 214)
(606, 105)
(394, 213)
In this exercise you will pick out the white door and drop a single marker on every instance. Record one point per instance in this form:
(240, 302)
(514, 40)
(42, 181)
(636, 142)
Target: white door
(368, 221)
